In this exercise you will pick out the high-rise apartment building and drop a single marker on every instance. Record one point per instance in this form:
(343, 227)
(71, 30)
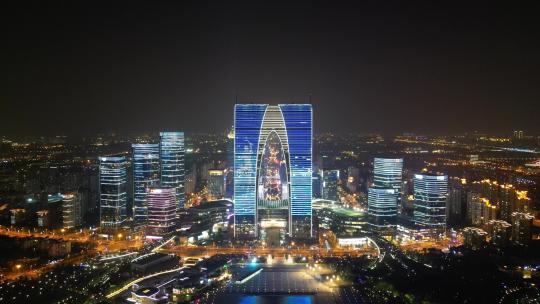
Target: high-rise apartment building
(456, 208)
(521, 228)
(500, 232)
(480, 210)
(474, 238)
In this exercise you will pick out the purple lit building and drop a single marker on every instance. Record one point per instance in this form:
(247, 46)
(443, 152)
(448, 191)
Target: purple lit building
(161, 211)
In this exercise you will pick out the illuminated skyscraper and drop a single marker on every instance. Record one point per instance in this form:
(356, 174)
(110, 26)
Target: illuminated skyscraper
(382, 207)
(387, 173)
(161, 211)
(272, 171)
(171, 151)
(216, 184)
(384, 196)
(330, 186)
(145, 175)
(71, 210)
(112, 191)
(430, 195)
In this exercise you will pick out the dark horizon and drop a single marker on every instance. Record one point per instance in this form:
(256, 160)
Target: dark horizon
(88, 68)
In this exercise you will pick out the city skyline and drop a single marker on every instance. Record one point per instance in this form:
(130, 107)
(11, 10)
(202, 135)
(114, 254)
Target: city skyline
(260, 152)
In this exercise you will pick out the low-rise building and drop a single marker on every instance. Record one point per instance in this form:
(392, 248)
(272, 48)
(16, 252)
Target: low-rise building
(152, 261)
(342, 221)
(149, 295)
(211, 215)
(17, 216)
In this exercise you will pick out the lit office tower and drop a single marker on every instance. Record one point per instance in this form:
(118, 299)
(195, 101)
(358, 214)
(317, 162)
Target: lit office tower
(330, 180)
(145, 175)
(382, 207)
(112, 191)
(216, 184)
(71, 210)
(272, 171)
(161, 211)
(172, 163)
(387, 173)
(430, 195)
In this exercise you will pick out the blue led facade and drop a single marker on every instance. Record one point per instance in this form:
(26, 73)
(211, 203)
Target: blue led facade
(254, 124)
(145, 176)
(171, 150)
(112, 191)
(247, 125)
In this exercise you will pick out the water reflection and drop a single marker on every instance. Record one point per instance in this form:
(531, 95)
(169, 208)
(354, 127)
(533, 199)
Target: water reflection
(274, 300)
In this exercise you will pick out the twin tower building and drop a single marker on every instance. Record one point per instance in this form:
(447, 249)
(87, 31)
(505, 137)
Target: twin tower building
(273, 172)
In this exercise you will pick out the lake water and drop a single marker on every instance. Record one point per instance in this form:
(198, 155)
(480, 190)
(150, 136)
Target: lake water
(297, 299)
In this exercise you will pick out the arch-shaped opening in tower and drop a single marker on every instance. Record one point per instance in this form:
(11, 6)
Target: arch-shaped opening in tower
(273, 178)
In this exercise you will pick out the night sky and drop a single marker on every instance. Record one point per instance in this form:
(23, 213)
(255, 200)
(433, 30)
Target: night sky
(379, 66)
